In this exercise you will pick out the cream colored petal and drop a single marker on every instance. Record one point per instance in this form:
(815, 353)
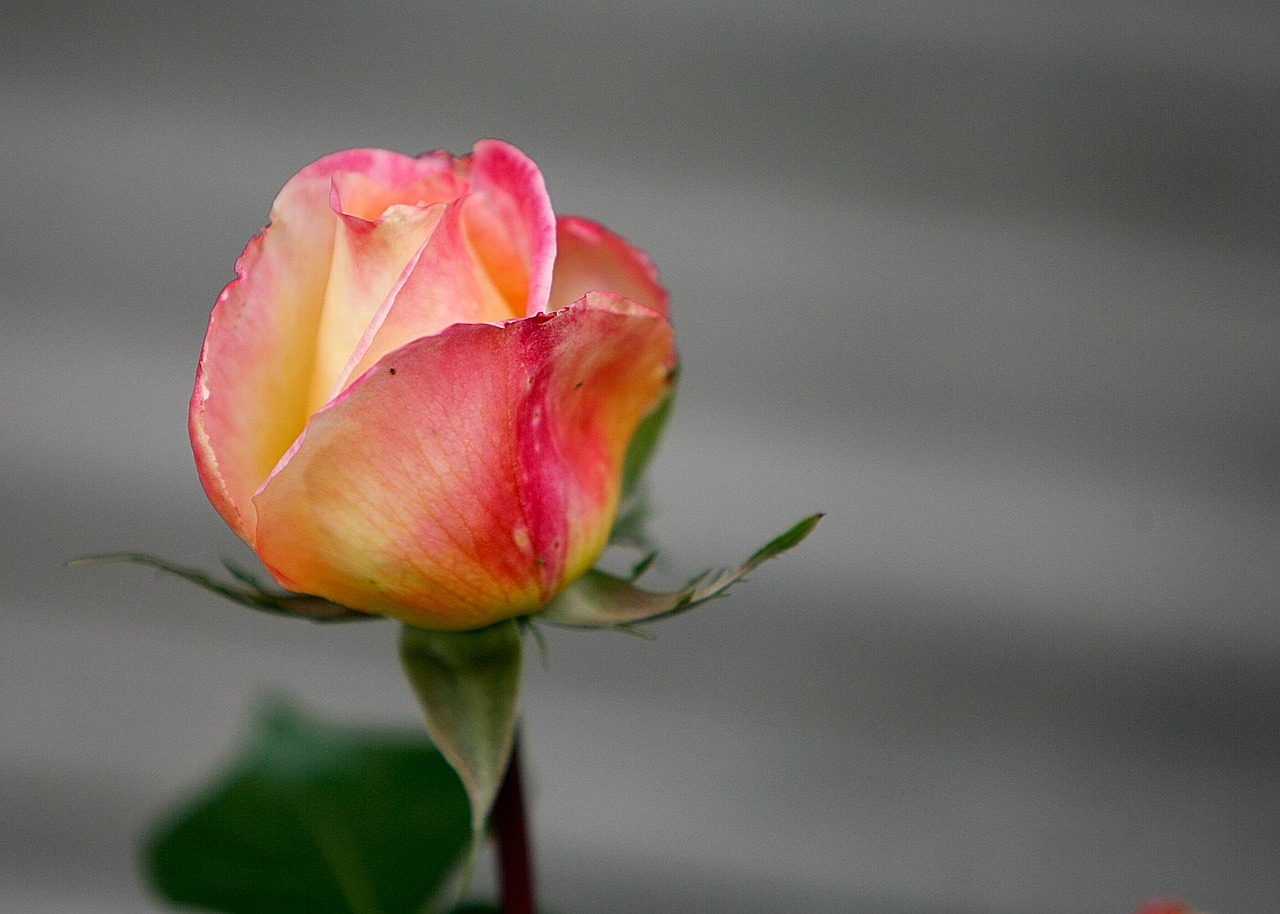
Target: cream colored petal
(252, 383)
(369, 260)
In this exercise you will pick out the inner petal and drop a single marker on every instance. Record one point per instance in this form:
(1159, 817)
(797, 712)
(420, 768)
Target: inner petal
(368, 258)
(493, 228)
(446, 284)
(393, 179)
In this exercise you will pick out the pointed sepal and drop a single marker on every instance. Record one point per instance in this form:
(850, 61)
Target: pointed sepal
(246, 589)
(602, 600)
(468, 686)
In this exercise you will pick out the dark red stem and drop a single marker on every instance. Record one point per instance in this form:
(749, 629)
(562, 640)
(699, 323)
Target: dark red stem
(511, 833)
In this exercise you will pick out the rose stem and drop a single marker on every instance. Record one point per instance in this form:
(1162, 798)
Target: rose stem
(515, 868)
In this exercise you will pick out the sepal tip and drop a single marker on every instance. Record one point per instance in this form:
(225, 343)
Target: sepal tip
(602, 600)
(246, 590)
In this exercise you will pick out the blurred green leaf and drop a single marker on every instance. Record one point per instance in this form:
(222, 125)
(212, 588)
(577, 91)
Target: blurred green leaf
(602, 600)
(312, 818)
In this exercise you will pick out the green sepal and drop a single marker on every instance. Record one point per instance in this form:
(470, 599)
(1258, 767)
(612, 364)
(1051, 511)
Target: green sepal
(245, 589)
(312, 818)
(468, 686)
(602, 600)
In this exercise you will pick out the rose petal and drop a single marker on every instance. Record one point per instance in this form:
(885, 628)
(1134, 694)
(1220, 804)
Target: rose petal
(253, 380)
(514, 233)
(371, 180)
(386, 212)
(470, 475)
(369, 259)
(489, 259)
(591, 258)
(253, 391)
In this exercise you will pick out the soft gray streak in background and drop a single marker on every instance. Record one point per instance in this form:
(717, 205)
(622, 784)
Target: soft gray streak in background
(993, 284)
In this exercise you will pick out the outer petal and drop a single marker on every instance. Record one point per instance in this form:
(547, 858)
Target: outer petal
(470, 475)
(259, 366)
(252, 382)
(591, 258)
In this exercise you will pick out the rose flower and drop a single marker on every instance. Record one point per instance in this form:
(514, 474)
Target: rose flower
(416, 396)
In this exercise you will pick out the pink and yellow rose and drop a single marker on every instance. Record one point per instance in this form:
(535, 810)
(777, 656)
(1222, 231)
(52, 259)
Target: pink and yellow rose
(416, 396)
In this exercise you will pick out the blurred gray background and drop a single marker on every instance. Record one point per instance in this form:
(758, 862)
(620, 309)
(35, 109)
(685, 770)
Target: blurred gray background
(992, 284)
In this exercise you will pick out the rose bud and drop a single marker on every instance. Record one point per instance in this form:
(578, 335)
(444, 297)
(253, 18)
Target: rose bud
(416, 396)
